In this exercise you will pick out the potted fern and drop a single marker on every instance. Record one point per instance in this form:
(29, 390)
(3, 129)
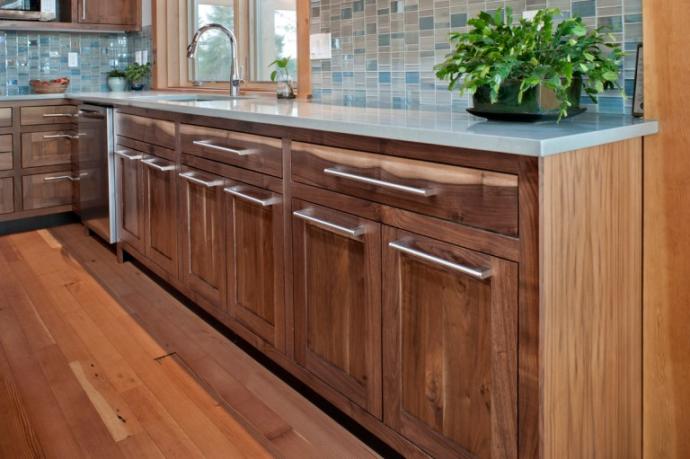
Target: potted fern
(137, 75)
(534, 69)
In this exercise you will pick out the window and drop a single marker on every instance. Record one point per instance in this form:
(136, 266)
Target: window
(212, 61)
(265, 30)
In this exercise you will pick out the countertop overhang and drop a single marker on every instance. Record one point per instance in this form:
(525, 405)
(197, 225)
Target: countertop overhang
(452, 129)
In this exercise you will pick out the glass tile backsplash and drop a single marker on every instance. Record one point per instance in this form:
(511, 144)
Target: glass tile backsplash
(25, 56)
(384, 51)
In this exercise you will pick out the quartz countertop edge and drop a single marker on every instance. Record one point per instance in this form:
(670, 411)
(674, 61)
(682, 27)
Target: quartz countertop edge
(451, 129)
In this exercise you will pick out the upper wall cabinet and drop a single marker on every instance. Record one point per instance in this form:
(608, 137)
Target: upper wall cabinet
(113, 12)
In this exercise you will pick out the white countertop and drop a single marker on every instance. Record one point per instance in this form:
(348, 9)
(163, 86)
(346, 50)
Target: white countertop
(438, 128)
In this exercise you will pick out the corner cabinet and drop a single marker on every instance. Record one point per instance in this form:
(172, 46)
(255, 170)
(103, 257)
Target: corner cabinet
(450, 352)
(337, 291)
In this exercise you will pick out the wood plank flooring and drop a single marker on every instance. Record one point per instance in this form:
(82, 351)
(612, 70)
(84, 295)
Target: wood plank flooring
(96, 360)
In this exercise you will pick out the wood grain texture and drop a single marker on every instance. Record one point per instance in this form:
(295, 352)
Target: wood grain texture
(473, 197)
(258, 153)
(337, 303)
(450, 350)
(6, 149)
(37, 193)
(41, 149)
(6, 195)
(145, 129)
(666, 243)
(37, 115)
(591, 302)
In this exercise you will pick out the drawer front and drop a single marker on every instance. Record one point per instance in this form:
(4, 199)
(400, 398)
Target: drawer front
(49, 114)
(157, 132)
(6, 117)
(6, 195)
(6, 152)
(254, 152)
(46, 190)
(47, 148)
(482, 199)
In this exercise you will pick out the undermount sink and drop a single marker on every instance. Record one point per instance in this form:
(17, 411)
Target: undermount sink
(190, 97)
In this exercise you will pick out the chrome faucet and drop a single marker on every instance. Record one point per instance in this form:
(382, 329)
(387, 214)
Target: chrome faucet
(234, 66)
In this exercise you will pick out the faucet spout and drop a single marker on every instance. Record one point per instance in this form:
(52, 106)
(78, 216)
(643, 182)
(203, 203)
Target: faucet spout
(234, 66)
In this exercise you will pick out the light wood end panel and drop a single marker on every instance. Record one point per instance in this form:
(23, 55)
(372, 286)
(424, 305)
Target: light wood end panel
(591, 302)
(667, 238)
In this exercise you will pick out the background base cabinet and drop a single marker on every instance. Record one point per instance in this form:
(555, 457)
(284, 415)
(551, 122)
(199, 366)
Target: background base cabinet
(444, 339)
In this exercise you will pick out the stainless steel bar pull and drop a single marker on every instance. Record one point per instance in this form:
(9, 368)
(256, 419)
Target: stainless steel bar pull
(131, 155)
(476, 272)
(305, 215)
(60, 115)
(154, 163)
(60, 177)
(425, 192)
(234, 151)
(242, 194)
(207, 183)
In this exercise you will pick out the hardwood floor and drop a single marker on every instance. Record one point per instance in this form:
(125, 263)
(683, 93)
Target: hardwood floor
(97, 360)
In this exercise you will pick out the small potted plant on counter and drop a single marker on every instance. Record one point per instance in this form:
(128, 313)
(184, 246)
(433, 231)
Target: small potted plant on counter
(281, 76)
(117, 80)
(137, 75)
(534, 69)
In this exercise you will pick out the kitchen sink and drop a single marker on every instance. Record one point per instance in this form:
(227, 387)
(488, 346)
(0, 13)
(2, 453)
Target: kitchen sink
(190, 97)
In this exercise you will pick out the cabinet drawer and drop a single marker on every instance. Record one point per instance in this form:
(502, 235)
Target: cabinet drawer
(157, 132)
(47, 190)
(6, 152)
(257, 153)
(46, 148)
(6, 195)
(473, 197)
(49, 114)
(6, 117)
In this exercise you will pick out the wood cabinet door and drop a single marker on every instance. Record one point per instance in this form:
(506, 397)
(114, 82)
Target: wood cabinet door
(254, 245)
(115, 12)
(450, 347)
(202, 233)
(337, 301)
(160, 194)
(130, 192)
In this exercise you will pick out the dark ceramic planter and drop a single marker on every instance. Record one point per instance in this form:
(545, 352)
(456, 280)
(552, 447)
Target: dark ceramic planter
(137, 86)
(539, 103)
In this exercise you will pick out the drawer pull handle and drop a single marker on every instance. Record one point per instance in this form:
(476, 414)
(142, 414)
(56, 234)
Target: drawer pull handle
(208, 144)
(60, 177)
(126, 154)
(237, 191)
(60, 115)
(166, 167)
(61, 136)
(207, 183)
(354, 233)
(477, 273)
(425, 192)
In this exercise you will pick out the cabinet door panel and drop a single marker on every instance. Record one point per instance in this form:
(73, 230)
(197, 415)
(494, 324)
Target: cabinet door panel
(46, 148)
(255, 261)
(337, 301)
(161, 212)
(47, 190)
(450, 354)
(115, 12)
(130, 192)
(203, 257)
(6, 195)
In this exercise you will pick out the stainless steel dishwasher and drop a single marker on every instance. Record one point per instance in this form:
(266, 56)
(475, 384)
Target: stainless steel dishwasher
(96, 169)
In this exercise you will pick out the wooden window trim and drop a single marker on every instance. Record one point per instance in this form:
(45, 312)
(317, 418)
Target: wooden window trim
(170, 69)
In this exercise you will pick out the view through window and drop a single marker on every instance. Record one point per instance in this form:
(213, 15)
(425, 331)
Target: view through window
(271, 26)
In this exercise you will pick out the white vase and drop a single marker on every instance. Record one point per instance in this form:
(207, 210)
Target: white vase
(117, 84)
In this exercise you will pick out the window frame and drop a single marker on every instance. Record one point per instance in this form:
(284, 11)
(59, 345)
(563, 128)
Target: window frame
(170, 64)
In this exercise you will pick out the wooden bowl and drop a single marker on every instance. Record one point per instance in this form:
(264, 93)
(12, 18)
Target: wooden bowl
(49, 86)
